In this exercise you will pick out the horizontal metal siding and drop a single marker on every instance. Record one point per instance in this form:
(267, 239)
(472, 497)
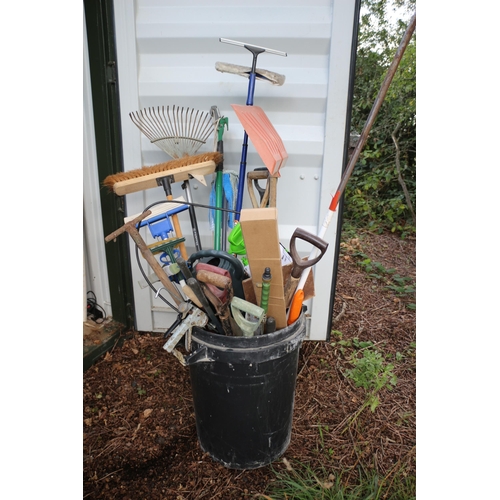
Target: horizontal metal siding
(177, 47)
(177, 50)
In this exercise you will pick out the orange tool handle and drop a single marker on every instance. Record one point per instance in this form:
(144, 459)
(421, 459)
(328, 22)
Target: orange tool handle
(295, 307)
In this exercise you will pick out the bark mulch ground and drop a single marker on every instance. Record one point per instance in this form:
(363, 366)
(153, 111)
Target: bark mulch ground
(139, 435)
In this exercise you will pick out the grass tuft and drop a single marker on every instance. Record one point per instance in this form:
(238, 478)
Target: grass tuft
(301, 482)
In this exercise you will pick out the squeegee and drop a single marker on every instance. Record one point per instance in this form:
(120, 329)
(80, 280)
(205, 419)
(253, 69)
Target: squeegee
(252, 75)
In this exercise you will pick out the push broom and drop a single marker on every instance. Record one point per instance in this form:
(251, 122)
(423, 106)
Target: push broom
(298, 298)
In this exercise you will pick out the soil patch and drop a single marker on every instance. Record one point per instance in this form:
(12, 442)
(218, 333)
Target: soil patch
(139, 435)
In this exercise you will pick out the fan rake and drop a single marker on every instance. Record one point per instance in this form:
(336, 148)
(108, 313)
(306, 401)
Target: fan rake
(177, 131)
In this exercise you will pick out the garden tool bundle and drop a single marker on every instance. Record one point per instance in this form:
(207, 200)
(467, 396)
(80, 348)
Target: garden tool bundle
(254, 121)
(179, 132)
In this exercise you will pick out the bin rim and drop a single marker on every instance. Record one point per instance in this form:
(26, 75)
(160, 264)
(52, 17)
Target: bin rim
(257, 342)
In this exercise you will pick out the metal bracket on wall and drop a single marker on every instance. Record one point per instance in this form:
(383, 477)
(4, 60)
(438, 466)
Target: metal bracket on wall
(308, 326)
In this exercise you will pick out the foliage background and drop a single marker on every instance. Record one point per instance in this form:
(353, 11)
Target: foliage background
(374, 196)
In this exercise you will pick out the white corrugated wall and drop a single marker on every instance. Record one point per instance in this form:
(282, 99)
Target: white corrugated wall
(167, 52)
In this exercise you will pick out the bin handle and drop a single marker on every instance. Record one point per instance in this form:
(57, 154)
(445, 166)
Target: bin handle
(198, 356)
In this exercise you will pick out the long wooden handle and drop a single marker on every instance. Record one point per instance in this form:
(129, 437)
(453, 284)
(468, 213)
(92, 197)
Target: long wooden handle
(273, 181)
(147, 254)
(155, 265)
(216, 279)
(191, 295)
(122, 229)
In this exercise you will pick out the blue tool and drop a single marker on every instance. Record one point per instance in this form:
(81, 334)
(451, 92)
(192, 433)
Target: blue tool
(160, 225)
(162, 229)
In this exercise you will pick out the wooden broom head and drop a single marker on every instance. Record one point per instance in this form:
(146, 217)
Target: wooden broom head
(185, 164)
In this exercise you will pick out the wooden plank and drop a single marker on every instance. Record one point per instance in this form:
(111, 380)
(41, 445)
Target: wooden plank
(150, 181)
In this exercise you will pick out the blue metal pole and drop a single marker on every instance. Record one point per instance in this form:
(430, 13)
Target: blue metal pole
(244, 148)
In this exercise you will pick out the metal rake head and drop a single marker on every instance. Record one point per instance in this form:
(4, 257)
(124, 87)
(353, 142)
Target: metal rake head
(177, 131)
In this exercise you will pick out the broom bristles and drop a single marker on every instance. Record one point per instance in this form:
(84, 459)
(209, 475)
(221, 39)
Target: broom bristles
(112, 179)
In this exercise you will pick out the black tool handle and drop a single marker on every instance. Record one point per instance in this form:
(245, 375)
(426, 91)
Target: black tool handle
(270, 326)
(300, 264)
(184, 268)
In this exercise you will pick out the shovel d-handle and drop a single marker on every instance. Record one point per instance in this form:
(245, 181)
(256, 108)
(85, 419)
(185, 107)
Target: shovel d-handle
(268, 194)
(253, 179)
(300, 264)
(248, 327)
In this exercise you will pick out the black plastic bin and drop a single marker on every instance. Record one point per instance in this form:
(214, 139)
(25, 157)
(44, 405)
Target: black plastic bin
(243, 394)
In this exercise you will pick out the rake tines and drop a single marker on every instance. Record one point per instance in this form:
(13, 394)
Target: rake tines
(177, 131)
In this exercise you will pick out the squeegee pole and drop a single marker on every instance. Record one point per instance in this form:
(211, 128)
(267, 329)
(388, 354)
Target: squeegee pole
(255, 50)
(244, 148)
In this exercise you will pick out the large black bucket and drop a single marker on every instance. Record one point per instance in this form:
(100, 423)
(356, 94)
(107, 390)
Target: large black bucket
(243, 394)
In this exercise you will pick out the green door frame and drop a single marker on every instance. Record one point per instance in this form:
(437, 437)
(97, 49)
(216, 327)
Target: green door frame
(99, 17)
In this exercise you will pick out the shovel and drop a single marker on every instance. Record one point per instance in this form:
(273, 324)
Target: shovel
(263, 135)
(298, 298)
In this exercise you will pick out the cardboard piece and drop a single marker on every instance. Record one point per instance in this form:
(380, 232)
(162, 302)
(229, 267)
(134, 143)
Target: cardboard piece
(259, 227)
(308, 285)
(249, 291)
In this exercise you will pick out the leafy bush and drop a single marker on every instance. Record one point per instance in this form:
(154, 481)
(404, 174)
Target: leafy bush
(375, 197)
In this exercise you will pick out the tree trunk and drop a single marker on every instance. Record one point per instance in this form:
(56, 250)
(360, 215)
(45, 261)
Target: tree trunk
(400, 177)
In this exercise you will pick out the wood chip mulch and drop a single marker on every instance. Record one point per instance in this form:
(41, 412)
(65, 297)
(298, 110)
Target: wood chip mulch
(139, 435)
